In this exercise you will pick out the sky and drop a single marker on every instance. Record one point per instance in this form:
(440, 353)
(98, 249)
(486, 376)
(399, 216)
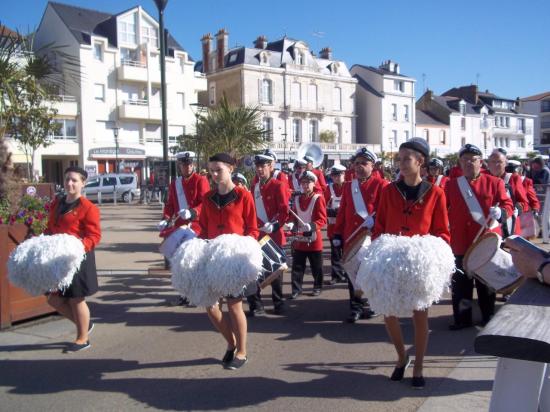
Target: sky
(501, 45)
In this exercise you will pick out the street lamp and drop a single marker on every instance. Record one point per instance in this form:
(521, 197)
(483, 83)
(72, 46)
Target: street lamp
(284, 145)
(115, 134)
(161, 5)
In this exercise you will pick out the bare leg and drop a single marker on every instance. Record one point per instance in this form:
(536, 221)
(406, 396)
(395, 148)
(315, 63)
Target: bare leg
(421, 331)
(81, 316)
(238, 325)
(221, 324)
(394, 331)
(62, 305)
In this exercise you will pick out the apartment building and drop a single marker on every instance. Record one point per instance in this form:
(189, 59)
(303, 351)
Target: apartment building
(539, 106)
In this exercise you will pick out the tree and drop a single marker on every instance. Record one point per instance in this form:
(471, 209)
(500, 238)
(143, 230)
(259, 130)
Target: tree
(327, 136)
(452, 158)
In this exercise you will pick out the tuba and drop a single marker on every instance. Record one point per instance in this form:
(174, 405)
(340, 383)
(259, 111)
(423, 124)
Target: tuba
(313, 150)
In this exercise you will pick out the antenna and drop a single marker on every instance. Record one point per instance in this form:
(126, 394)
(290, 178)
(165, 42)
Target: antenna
(424, 82)
(319, 35)
(477, 79)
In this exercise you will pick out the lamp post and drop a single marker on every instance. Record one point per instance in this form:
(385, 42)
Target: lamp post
(115, 134)
(391, 152)
(161, 5)
(284, 145)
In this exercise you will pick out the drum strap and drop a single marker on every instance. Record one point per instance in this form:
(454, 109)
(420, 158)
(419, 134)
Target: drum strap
(260, 207)
(510, 224)
(358, 201)
(182, 200)
(471, 200)
(438, 181)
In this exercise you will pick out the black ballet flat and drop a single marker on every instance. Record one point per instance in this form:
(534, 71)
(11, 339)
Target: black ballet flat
(229, 356)
(399, 371)
(418, 382)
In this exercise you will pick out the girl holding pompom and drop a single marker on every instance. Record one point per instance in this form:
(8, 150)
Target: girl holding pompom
(408, 207)
(75, 215)
(228, 209)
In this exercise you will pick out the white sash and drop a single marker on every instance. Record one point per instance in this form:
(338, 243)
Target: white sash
(334, 202)
(438, 181)
(522, 179)
(182, 200)
(507, 177)
(358, 202)
(510, 221)
(295, 183)
(471, 200)
(276, 173)
(305, 215)
(261, 214)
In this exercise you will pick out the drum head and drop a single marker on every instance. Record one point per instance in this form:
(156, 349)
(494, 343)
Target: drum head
(481, 252)
(352, 246)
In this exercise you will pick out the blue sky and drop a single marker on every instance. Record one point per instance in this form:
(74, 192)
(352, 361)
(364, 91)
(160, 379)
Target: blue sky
(503, 45)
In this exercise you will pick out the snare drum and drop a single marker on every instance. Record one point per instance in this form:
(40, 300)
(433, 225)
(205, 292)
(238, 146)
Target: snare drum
(274, 263)
(487, 262)
(354, 251)
(171, 243)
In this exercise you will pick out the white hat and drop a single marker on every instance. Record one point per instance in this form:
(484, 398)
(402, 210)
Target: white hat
(239, 176)
(514, 163)
(309, 159)
(301, 162)
(364, 152)
(185, 156)
(308, 175)
(337, 168)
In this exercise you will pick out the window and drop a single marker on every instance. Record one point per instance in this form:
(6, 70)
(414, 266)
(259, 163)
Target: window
(545, 138)
(426, 135)
(545, 106)
(394, 136)
(93, 183)
(181, 100)
(394, 111)
(99, 91)
(312, 96)
(406, 135)
(98, 52)
(268, 128)
(296, 130)
(296, 95)
(496, 141)
(109, 181)
(337, 99)
(507, 142)
(182, 64)
(127, 29)
(463, 123)
(338, 132)
(442, 136)
(267, 92)
(128, 55)
(313, 131)
(521, 143)
(406, 114)
(152, 133)
(521, 125)
(462, 141)
(300, 58)
(67, 129)
(174, 132)
(462, 107)
(399, 86)
(126, 180)
(149, 35)
(507, 122)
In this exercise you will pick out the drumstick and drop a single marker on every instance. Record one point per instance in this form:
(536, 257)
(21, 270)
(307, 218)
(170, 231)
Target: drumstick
(356, 231)
(484, 227)
(297, 217)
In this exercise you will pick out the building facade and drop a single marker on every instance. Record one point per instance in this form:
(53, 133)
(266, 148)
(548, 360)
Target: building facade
(385, 104)
(116, 85)
(301, 96)
(436, 133)
(539, 106)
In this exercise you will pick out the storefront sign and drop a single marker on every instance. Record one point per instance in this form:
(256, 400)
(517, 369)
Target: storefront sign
(162, 173)
(111, 151)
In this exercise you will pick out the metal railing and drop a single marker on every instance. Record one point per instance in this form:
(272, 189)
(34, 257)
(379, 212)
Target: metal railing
(133, 63)
(136, 102)
(67, 98)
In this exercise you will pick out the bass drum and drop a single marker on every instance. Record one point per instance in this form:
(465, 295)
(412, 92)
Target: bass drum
(354, 251)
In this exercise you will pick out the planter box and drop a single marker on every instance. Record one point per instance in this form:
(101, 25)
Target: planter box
(15, 303)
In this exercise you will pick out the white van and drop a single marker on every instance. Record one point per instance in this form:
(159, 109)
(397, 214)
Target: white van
(125, 185)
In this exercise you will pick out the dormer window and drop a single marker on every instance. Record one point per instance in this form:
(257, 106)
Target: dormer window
(462, 107)
(264, 60)
(300, 58)
(127, 29)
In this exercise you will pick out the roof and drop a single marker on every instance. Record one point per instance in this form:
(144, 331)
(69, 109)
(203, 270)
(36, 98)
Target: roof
(383, 72)
(423, 118)
(536, 97)
(366, 85)
(83, 23)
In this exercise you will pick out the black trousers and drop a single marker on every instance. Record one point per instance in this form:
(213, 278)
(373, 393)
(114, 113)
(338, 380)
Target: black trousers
(462, 288)
(299, 258)
(338, 271)
(255, 300)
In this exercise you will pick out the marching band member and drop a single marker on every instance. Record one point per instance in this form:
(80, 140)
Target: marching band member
(310, 207)
(358, 206)
(270, 199)
(277, 174)
(321, 184)
(514, 188)
(350, 171)
(533, 200)
(239, 180)
(473, 200)
(408, 207)
(184, 201)
(75, 215)
(294, 180)
(435, 173)
(333, 196)
(228, 209)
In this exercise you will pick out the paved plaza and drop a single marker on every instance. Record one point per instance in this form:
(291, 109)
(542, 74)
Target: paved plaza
(148, 355)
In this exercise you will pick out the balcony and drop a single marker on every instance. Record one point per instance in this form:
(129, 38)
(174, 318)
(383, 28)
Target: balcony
(139, 109)
(66, 106)
(545, 124)
(135, 71)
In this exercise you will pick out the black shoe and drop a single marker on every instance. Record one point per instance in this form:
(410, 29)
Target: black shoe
(354, 317)
(459, 326)
(294, 295)
(255, 312)
(331, 282)
(229, 356)
(418, 382)
(279, 309)
(179, 301)
(236, 363)
(399, 371)
(316, 292)
(369, 314)
(77, 347)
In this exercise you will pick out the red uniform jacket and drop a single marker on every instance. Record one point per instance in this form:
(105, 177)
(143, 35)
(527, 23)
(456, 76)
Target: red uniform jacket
(426, 215)
(379, 173)
(518, 192)
(293, 188)
(82, 222)
(281, 177)
(338, 190)
(318, 218)
(349, 175)
(274, 196)
(320, 179)
(238, 216)
(489, 191)
(532, 198)
(442, 185)
(194, 187)
(348, 220)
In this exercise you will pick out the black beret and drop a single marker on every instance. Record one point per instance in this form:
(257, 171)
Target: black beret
(418, 145)
(77, 169)
(470, 148)
(222, 157)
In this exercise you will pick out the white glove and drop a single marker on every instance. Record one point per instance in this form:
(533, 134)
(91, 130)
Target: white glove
(185, 214)
(336, 242)
(495, 212)
(369, 222)
(288, 226)
(267, 228)
(306, 228)
(162, 225)
(516, 212)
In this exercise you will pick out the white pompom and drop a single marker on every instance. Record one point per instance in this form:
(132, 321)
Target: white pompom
(45, 263)
(234, 262)
(400, 274)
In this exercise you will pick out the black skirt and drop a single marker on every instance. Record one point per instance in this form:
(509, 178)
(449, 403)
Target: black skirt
(85, 279)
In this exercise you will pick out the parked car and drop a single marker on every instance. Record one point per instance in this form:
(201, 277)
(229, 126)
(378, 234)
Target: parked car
(125, 184)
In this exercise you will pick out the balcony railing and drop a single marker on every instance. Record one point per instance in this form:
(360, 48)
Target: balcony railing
(66, 98)
(136, 102)
(133, 63)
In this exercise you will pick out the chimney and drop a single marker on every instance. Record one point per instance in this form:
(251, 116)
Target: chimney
(222, 41)
(260, 42)
(326, 53)
(206, 48)
(390, 66)
(396, 68)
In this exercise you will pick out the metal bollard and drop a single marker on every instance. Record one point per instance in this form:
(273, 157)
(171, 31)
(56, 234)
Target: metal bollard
(99, 197)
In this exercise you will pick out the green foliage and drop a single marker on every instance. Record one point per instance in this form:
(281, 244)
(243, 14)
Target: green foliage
(327, 136)
(452, 158)
(532, 155)
(31, 211)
